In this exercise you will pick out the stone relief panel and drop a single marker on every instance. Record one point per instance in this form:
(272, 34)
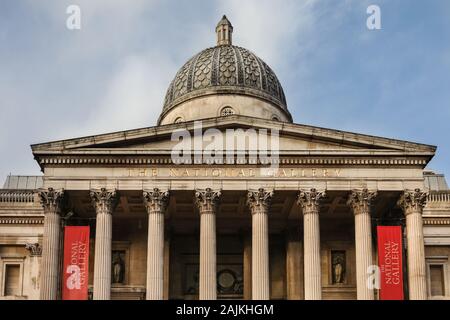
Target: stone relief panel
(229, 280)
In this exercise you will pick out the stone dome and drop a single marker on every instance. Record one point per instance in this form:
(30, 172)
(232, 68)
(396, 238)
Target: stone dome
(226, 69)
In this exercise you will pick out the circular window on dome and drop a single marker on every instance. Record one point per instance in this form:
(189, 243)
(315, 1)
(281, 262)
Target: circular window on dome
(275, 118)
(226, 111)
(178, 120)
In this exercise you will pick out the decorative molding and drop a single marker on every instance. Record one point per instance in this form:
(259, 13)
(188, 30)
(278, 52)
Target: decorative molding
(412, 201)
(17, 196)
(20, 220)
(207, 200)
(361, 200)
(259, 200)
(156, 200)
(310, 200)
(51, 200)
(103, 200)
(34, 248)
(436, 221)
(284, 160)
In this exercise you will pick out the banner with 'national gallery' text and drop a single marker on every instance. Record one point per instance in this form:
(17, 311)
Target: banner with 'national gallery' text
(390, 262)
(76, 263)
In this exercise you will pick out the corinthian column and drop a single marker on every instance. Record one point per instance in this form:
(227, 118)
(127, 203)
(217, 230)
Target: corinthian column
(51, 201)
(156, 203)
(104, 202)
(360, 202)
(310, 203)
(412, 203)
(259, 203)
(207, 201)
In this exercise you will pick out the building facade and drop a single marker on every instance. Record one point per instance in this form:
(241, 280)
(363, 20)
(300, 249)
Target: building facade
(165, 228)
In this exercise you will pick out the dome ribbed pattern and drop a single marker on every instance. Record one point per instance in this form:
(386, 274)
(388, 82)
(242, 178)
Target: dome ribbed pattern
(225, 69)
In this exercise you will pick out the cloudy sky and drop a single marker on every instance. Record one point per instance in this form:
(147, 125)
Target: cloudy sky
(111, 75)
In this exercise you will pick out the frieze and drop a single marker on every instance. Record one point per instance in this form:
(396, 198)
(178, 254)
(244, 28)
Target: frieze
(360, 161)
(224, 172)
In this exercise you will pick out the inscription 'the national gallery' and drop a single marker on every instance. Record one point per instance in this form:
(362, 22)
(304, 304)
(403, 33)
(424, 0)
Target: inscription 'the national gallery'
(184, 172)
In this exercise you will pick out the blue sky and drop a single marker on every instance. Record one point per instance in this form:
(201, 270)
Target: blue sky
(112, 74)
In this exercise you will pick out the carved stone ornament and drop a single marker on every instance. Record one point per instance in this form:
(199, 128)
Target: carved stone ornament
(310, 200)
(34, 248)
(156, 200)
(51, 200)
(412, 201)
(208, 199)
(259, 200)
(103, 200)
(361, 200)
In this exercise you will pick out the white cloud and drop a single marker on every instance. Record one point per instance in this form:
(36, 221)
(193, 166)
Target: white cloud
(270, 28)
(134, 96)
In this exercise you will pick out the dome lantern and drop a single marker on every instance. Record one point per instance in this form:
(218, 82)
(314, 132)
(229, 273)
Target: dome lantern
(224, 32)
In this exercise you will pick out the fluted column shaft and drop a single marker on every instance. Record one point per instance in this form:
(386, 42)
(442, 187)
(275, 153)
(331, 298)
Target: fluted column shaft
(309, 201)
(207, 284)
(259, 202)
(412, 203)
(207, 201)
(360, 202)
(155, 203)
(104, 202)
(51, 201)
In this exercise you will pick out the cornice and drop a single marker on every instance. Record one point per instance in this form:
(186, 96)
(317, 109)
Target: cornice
(308, 158)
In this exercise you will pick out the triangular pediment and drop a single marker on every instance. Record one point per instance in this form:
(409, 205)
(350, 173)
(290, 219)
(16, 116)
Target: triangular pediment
(293, 138)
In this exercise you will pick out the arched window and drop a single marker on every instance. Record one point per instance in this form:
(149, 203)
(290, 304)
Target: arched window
(275, 118)
(226, 111)
(178, 120)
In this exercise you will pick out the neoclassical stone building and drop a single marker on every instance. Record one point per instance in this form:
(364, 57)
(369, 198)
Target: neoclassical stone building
(161, 229)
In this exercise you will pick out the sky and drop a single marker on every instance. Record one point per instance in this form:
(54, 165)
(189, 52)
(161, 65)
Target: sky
(112, 74)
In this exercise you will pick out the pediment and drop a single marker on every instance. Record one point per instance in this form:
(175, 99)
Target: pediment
(292, 138)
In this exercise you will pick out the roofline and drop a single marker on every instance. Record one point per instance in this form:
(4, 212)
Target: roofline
(308, 130)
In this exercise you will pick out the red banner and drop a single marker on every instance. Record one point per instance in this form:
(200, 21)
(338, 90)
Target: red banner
(76, 263)
(390, 262)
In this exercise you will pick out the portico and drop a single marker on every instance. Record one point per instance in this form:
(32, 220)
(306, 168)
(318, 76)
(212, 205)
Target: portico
(235, 231)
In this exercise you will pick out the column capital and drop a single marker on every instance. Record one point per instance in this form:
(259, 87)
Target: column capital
(412, 201)
(156, 200)
(104, 200)
(361, 200)
(51, 199)
(259, 200)
(310, 200)
(207, 199)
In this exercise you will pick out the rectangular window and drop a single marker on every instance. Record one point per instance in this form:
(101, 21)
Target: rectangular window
(12, 280)
(437, 280)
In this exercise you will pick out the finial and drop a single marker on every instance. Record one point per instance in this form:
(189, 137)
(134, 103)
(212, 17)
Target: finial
(224, 30)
